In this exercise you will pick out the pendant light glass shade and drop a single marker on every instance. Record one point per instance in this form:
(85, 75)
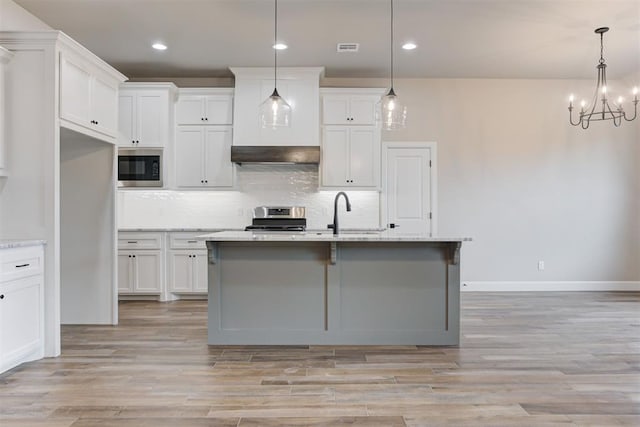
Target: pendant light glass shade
(275, 112)
(392, 113)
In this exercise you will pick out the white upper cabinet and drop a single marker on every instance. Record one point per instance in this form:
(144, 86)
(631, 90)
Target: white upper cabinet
(5, 57)
(298, 86)
(88, 97)
(350, 157)
(145, 114)
(205, 107)
(203, 156)
(350, 106)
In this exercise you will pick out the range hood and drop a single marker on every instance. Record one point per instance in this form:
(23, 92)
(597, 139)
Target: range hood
(275, 154)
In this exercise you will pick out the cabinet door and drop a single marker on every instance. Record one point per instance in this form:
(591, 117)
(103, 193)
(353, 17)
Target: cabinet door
(152, 119)
(217, 154)
(189, 162)
(126, 120)
(125, 273)
(180, 271)
(146, 267)
(219, 110)
(75, 93)
(190, 110)
(20, 317)
(104, 106)
(362, 158)
(200, 270)
(335, 110)
(363, 110)
(335, 152)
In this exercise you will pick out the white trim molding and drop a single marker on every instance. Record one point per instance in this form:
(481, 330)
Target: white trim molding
(540, 286)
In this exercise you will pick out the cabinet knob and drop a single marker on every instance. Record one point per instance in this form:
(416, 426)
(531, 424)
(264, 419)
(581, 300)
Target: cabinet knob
(206, 181)
(97, 122)
(206, 119)
(202, 119)
(2, 296)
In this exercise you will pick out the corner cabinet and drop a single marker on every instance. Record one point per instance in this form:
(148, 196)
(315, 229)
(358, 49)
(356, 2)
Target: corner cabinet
(88, 97)
(5, 57)
(144, 114)
(21, 305)
(140, 263)
(203, 150)
(350, 139)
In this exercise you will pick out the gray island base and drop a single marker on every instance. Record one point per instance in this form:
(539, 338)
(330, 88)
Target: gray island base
(317, 288)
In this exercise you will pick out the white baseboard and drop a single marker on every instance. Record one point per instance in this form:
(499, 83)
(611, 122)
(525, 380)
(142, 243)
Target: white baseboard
(566, 286)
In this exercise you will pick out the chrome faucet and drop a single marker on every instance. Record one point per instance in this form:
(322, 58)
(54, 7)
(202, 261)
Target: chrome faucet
(334, 226)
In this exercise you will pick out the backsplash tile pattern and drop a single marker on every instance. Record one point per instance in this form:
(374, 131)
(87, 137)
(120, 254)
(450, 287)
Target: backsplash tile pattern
(256, 185)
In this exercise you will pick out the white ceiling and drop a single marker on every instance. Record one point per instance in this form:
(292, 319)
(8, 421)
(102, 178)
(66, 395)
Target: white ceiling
(456, 38)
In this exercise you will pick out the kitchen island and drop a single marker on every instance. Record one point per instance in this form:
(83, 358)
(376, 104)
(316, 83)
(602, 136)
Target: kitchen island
(374, 288)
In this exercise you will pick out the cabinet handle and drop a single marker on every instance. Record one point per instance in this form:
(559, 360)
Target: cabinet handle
(132, 241)
(22, 265)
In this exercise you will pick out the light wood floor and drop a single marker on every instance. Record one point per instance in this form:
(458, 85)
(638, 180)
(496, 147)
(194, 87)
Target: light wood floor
(532, 359)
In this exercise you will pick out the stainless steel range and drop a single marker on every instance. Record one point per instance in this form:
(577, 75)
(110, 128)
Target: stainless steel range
(278, 218)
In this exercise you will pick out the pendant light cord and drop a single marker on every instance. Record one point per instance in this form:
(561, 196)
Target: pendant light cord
(275, 51)
(601, 48)
(391, 44)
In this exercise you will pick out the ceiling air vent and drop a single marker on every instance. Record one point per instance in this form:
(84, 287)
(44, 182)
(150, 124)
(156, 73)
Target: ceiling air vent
(348, 47)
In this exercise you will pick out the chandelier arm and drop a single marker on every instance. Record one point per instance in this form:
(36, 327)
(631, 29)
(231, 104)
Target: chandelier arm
(571, 118)
(635, 112)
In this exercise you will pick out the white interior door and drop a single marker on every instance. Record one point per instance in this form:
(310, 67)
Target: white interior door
(408, 189)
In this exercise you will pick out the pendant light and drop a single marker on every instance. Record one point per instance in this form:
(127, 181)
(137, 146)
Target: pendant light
(393, 114)
(275, 112)
(599, 109)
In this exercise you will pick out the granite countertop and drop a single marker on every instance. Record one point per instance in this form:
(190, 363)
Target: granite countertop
(326, 236)
(178, 229)
(16, 243)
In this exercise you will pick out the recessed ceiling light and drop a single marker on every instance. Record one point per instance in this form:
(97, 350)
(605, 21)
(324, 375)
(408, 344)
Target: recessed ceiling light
(409, 46)
(159, 46)
(280, 46)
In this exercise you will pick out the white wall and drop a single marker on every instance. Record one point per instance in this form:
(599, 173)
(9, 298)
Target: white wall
(16, 18)
(524, 184)
(513, 175)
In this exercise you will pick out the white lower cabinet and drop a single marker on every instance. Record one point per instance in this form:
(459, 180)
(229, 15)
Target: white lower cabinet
(187, 271)
(139, 272)
(140, 263)
(164, 265)
(186, 263)
(21, 305)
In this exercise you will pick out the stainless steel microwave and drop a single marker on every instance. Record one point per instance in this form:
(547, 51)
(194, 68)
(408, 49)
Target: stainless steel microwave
(140, 167)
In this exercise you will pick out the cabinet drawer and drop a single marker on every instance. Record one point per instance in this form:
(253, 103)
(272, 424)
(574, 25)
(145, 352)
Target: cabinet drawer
(186, 241)
(127, 240)
(16, 263)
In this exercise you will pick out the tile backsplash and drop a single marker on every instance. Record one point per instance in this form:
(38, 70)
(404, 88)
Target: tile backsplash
(256, 185)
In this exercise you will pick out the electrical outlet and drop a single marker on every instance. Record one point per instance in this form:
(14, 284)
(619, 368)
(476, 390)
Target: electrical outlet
(540, 265)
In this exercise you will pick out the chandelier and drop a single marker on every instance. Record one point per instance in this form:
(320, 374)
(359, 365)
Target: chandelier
(599, 108)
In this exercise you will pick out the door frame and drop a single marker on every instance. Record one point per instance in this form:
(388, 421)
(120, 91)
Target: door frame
(433, 190)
